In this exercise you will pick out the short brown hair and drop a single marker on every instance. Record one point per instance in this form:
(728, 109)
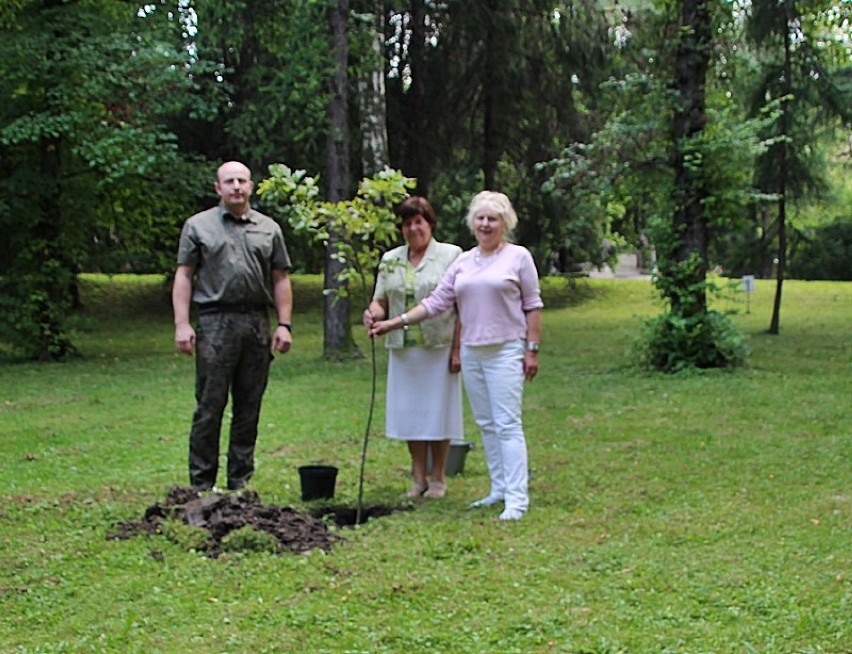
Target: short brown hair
(416, 205)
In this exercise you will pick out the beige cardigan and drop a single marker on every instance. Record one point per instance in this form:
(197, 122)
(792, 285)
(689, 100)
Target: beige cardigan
(390, 286)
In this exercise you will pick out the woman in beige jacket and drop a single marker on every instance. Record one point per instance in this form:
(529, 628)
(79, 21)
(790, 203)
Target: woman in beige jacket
(423, 401)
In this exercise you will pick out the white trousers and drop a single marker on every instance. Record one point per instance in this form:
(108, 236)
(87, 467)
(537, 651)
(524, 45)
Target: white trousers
(494, 381)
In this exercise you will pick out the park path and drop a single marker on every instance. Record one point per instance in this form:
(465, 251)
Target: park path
(626, 268)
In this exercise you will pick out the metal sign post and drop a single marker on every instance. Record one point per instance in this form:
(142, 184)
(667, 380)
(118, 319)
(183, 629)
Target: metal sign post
(748, 288)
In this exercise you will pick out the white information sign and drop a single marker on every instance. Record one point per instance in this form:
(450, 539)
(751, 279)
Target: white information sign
(748, 289)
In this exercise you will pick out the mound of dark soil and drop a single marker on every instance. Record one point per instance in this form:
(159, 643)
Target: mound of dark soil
(220, 515)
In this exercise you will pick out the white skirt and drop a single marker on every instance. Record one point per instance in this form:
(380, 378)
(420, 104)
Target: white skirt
(423, 400)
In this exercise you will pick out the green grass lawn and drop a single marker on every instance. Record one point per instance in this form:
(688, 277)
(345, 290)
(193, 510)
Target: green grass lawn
(697, 513)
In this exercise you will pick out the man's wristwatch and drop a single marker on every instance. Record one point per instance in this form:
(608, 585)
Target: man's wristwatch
(532, 346)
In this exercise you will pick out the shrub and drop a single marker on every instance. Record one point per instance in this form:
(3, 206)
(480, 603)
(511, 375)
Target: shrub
(671, 343)
(34, 305)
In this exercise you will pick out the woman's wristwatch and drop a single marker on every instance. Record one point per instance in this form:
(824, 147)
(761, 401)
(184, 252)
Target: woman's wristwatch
(532, 346)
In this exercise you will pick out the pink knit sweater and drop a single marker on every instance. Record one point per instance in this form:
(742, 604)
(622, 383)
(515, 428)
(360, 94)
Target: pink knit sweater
(491, 294)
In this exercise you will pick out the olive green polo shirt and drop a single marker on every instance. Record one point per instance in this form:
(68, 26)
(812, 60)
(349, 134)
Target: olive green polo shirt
(233, 258)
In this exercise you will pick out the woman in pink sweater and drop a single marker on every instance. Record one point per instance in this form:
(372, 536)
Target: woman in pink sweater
(496, 290)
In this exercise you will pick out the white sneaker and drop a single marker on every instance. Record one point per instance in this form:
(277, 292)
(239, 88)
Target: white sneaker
(512, 514)
(491, 500)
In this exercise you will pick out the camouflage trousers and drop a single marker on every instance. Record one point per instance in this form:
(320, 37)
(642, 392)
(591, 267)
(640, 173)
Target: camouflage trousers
(232, 356)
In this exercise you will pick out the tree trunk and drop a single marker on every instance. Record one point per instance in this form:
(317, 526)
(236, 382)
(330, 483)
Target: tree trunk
(337, 341)
(371, 100)
(51, 267)
(52, 290)
(690, 230)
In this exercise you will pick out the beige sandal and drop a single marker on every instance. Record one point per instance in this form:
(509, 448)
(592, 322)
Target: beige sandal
(416, 490)
(437, 489)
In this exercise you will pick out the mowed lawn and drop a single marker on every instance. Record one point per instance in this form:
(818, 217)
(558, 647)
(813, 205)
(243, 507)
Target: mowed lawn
(697, 513)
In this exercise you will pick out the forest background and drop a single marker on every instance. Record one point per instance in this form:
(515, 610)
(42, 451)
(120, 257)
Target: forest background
(114, 116)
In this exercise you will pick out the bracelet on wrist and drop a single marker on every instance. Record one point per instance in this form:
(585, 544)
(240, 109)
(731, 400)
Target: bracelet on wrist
(287, 326)
(406, 322)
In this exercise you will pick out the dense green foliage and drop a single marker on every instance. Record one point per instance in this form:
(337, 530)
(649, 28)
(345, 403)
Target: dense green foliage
(269, 60)
(115, 115)
(92, 178)
(366, 226)
(825, 253)
(691, 513)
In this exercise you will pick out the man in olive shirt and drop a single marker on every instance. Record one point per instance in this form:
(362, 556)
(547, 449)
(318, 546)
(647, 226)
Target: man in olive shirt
(233, 264)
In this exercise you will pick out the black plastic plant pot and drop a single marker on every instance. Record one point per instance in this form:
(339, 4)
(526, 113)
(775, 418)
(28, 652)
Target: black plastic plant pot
(317, 482)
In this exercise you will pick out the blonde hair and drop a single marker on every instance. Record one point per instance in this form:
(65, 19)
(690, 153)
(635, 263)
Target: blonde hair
(497, 204)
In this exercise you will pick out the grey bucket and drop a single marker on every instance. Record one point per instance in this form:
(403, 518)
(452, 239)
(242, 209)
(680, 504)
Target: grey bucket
(455, 457)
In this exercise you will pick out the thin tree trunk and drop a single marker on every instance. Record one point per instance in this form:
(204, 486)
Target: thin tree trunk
(419, 148)
(374, 158)
(775, 322)
(490, 140)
